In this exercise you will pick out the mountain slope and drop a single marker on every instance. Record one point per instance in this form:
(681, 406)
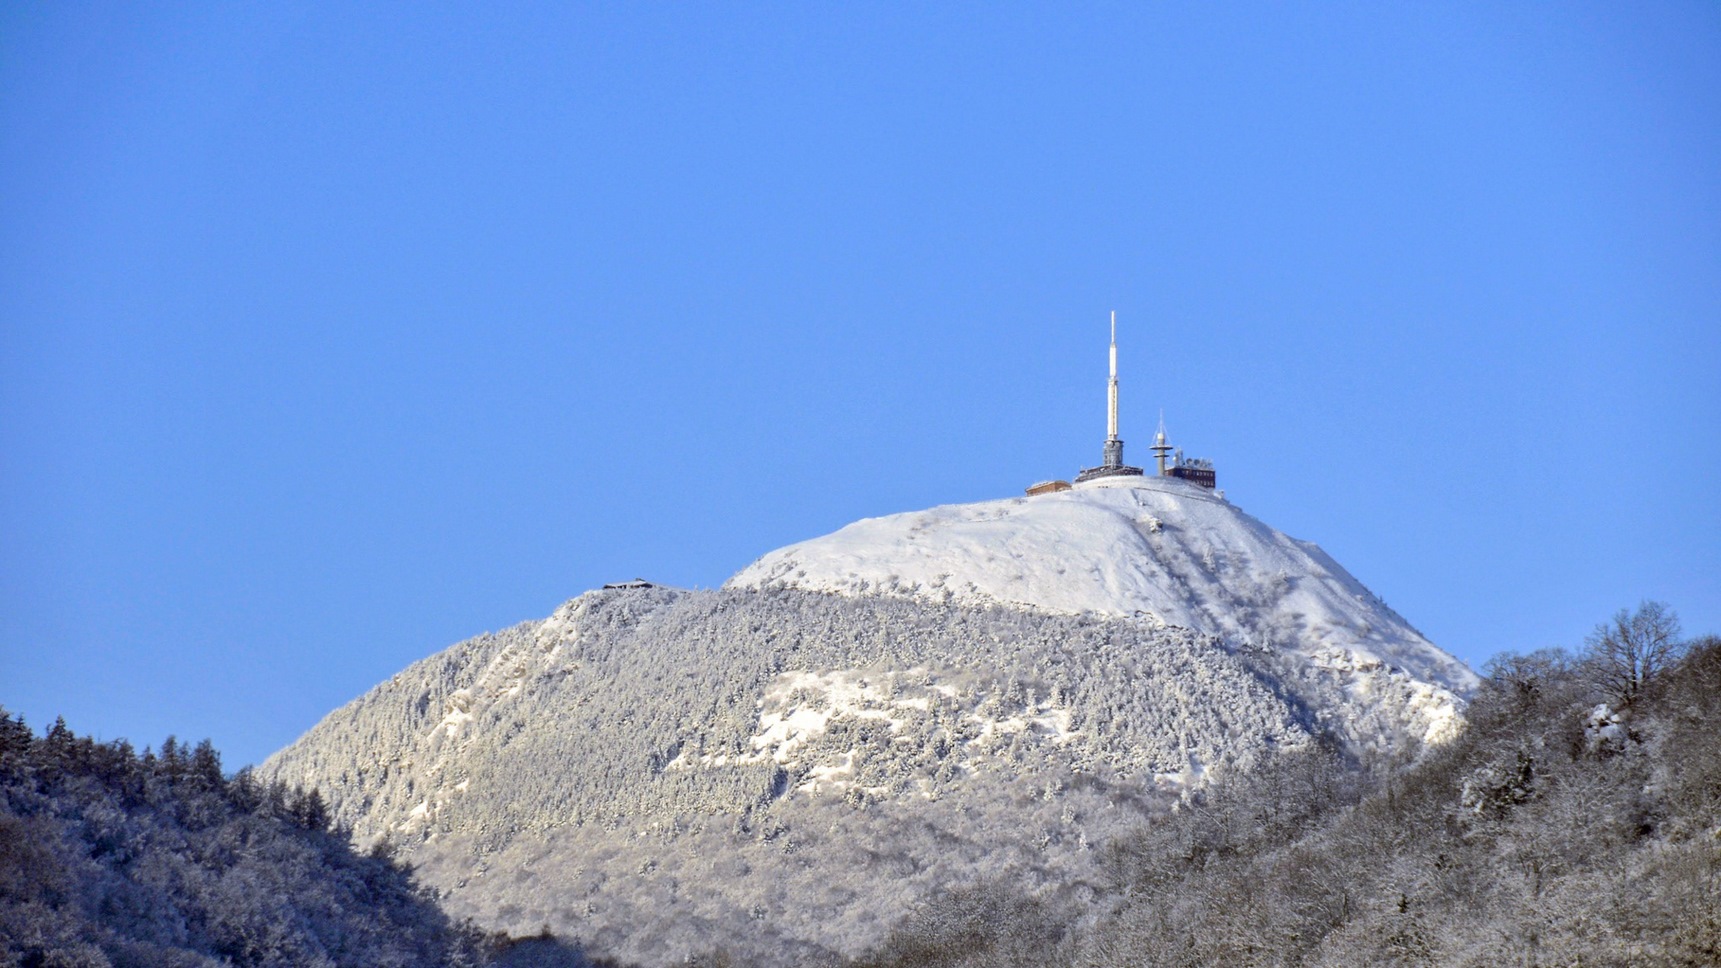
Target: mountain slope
(782, 767)
(654, 772)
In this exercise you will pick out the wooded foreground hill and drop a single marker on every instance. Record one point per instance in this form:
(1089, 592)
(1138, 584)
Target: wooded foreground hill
(1575, 821)
(109, 858)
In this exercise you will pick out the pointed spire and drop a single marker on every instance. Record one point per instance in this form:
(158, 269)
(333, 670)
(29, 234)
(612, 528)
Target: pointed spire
(1160, 448)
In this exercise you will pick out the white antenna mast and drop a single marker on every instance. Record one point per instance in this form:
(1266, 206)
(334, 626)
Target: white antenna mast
(1111, 385)
(1112, 465)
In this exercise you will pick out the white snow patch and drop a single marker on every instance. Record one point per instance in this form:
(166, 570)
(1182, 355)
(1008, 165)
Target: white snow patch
(1605, 728)
(459, 706)
(798, 708)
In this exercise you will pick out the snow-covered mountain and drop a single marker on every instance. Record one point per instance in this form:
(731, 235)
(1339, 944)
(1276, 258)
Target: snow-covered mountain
(781, 767)
(1153, 548)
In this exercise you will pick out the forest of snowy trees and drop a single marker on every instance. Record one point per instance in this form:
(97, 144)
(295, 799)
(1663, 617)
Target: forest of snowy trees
(658, 772)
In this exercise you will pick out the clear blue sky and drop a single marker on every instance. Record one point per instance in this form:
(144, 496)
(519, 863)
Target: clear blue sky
(332, 335)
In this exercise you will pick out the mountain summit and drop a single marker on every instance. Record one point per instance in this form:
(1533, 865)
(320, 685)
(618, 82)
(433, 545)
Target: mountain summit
(1157, 549)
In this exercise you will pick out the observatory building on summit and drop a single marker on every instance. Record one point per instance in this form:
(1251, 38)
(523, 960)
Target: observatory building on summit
(1169, 461)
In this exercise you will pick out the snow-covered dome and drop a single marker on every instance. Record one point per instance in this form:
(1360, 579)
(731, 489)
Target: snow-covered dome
(1152, 547)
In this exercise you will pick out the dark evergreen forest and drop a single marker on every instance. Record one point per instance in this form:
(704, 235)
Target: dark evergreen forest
(160, 860)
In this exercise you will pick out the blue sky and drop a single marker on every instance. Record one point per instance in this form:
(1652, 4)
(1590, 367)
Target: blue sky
(331, 335)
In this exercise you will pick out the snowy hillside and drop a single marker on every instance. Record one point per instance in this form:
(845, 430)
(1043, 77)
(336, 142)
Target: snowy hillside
(1155, 548)
(976, 693)
(781, 773)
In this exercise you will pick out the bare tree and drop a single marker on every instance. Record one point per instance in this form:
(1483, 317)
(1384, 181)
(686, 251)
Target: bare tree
(1626, 653)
